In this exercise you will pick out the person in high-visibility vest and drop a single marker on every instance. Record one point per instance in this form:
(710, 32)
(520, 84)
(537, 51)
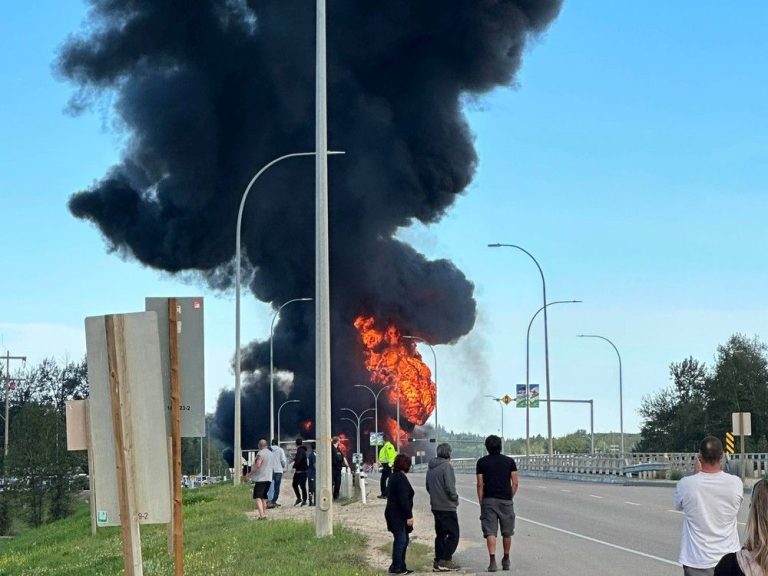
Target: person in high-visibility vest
(386, 459)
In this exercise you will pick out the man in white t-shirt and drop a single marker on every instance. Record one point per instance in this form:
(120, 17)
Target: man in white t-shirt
(710, 500)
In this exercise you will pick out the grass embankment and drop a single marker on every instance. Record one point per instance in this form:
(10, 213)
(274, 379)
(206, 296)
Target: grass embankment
(218, 539)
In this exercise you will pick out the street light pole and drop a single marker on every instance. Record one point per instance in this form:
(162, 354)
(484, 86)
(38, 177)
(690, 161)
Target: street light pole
(434, 359)
(501, 405)
(271, 369)
(375, 404)
(278, 418)
(237, 437)
(546, 334)
(359, 418)
(528, 380)
(621, 385)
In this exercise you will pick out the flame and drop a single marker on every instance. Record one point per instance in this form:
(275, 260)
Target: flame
(393, 361)
(344, 444)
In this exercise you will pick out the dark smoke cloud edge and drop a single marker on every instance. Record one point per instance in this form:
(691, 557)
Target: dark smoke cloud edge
(210, 91)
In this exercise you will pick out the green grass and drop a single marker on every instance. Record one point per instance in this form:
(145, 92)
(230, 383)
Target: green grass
(419, 556)
(218, 539)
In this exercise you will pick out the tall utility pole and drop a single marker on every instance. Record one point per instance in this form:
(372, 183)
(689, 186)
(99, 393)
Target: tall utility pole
(324, 507)
(8, 359)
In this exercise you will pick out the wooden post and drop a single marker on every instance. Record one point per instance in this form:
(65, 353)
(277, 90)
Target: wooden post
(121, 426)
(174, 327)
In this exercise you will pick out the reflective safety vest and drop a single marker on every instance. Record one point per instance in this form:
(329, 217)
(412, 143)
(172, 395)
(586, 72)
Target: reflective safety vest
(387, 453)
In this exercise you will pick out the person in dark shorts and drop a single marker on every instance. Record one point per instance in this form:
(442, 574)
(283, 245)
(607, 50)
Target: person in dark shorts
(261, 474)
(497, 483)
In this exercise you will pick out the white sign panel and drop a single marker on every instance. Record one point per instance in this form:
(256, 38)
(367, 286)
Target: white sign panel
(736, 419)
(76, 429)
(191, 362)
(142, 393)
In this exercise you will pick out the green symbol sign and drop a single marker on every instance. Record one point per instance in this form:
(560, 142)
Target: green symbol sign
(101, 517)
(533, 396)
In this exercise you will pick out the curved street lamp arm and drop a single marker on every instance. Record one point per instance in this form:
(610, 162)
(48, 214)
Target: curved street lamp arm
(621, 383)
(547, 306)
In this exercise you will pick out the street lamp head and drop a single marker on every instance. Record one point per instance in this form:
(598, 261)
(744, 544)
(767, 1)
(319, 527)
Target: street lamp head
(496, 245)
(305, 299)
(576, 301)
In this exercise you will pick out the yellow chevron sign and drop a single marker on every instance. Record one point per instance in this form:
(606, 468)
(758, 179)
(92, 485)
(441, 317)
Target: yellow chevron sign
(729, 445)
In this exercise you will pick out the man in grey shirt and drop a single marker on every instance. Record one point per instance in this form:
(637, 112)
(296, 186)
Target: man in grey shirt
(443, 499)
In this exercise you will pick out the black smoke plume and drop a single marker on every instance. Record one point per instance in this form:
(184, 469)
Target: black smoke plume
(207, 92)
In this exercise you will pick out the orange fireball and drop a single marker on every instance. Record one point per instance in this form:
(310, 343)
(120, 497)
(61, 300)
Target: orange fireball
(394, 361)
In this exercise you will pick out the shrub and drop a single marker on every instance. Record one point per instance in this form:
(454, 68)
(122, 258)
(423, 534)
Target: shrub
(675, 474)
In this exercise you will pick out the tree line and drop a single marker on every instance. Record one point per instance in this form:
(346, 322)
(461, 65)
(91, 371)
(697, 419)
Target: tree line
(701, 399)
(41, 480)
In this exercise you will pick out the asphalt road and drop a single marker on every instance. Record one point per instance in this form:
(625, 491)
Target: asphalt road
(578, 528)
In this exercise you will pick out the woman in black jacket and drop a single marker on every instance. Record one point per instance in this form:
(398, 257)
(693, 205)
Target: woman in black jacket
(399, 513)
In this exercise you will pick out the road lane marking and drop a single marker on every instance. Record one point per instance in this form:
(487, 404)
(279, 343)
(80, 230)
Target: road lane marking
(633, 503)
(593, 496)
(587, 538)
(676, 511)
(561, 490)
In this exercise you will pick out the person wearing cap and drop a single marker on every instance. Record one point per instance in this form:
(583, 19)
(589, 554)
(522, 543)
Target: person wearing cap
(443, 500)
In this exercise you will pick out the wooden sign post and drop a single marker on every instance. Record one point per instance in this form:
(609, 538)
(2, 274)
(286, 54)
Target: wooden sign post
(174, 327)
(121, 424)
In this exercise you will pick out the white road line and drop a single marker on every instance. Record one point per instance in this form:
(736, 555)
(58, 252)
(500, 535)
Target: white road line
(565, 491)
(593, 496)
(633, 503)
(588, 538)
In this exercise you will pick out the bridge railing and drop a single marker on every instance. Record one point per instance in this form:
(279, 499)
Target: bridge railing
(641, 464)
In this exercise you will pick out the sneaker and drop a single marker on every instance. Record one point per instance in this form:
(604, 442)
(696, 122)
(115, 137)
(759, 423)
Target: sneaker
(492, 566)
(448, 566)
(505, 563)
(298, 501)
(271, 505)
(304, 503)
(436, 566)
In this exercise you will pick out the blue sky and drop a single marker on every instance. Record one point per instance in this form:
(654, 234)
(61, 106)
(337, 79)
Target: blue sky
(630, 158)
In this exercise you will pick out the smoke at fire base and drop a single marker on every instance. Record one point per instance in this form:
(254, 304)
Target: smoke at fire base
(207, 92)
